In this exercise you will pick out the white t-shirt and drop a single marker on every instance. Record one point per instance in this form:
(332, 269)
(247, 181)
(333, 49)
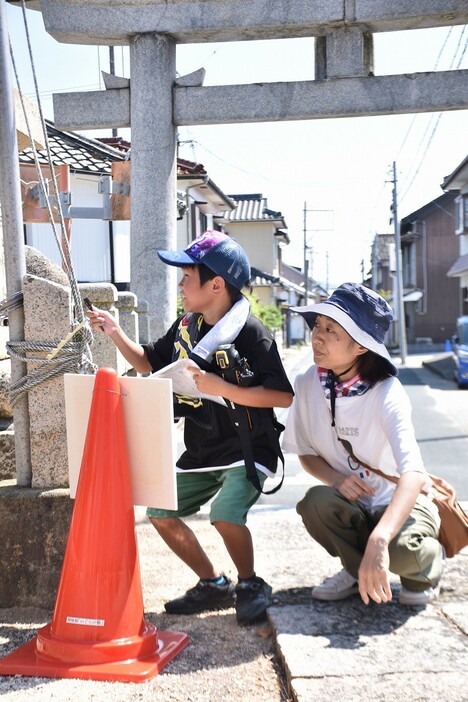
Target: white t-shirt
(377, 424)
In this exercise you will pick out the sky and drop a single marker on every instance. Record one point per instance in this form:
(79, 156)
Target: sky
(338, 170)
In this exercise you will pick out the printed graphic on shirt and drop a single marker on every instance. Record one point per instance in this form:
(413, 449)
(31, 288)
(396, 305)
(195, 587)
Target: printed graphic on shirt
(348, 431)
(184, 342)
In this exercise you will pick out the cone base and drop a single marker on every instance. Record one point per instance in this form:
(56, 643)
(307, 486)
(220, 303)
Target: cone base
(26, 661)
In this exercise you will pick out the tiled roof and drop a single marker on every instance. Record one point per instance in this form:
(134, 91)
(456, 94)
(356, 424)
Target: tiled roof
(457, 178)
(383, 243)
(253, 208)
(87, 155)
(185, 167)
(259, 277)
(460, 267)
(116, 143)
(292, 275)
(440, 202)
(80, 153)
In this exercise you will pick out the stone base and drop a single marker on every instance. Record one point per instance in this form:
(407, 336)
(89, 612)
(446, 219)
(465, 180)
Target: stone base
(7, 454)
(35, 525)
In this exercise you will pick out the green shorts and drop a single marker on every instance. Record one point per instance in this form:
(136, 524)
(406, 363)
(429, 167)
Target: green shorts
(235, 495)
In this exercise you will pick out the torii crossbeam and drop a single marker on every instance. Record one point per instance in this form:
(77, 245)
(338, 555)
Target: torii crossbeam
(344, 86)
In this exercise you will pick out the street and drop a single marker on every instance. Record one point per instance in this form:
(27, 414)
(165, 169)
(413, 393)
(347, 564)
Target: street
(440, 418)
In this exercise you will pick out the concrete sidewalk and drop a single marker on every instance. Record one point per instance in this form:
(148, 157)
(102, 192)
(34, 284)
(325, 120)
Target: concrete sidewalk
(442, 364)
(349, 651)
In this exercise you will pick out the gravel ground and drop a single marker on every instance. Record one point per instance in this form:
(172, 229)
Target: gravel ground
(222, 660)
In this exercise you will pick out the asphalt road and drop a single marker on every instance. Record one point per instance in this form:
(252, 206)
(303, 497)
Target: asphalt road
(440, 418)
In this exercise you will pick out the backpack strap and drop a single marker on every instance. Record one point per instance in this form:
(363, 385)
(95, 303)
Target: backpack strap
(240, 417)
(235, 370)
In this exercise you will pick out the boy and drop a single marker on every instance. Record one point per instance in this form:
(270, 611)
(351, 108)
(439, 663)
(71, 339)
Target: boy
(214, 271)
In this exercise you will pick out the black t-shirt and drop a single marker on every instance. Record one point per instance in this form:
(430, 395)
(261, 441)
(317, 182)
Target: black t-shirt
(220, 445)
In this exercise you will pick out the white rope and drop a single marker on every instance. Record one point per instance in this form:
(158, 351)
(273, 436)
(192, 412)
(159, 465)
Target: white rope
(10, 303)
(68, 360)
(74, 354)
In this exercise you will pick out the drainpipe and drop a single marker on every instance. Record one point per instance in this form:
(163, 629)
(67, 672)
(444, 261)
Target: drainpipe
(424, 267)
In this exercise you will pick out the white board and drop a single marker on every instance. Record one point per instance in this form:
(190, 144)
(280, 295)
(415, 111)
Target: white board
(149, 426)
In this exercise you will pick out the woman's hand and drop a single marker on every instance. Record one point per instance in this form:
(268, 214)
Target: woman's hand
(352, 486)
(374, 572)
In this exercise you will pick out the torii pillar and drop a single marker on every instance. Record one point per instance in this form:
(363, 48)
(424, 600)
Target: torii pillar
(153, 199)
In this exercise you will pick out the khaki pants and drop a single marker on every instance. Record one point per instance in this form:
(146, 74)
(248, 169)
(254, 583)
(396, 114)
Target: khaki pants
(343, 528)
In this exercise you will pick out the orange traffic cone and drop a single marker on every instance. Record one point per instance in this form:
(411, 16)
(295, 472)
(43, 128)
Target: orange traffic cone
(98, 630)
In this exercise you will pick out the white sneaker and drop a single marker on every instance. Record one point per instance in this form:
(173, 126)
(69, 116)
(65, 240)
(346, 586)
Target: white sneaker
(409, 597)
(338, 587)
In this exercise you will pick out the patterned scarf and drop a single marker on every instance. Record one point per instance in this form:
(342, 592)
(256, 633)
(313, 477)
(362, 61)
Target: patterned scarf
(348, 388)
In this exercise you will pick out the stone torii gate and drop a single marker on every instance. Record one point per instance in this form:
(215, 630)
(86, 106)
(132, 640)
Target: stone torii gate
(157, 103)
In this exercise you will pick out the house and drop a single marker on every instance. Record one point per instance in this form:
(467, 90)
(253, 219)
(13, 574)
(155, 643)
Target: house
(383, 264)
(457, 183)
(429, 247)
(100, 237)
(262, 232)
(101, 246)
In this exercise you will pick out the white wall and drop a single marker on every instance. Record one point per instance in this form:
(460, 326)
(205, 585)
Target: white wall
(257, 238)
(121, 231)
(89, 237)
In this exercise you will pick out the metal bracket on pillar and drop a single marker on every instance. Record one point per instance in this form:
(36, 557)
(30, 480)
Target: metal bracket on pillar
(106, 187)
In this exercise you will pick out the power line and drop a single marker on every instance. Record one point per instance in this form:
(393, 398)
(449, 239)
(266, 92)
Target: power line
(415, 116)
(435, 124)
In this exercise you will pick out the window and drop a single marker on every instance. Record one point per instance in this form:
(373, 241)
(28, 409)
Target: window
(462, 214)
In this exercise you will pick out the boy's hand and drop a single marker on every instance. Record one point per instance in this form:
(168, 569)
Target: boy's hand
(207, 383)
(101, 320)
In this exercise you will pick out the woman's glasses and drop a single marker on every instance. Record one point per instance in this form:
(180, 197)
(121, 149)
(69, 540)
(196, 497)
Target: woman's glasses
(353, 462)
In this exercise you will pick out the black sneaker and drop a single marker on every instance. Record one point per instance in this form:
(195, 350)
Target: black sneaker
(253, 596)
(203, 597)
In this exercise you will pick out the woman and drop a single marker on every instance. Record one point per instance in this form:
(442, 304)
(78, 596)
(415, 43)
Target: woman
(349, 417)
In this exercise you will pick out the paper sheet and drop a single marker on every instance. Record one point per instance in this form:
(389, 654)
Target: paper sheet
(182, 380)
(149, 425)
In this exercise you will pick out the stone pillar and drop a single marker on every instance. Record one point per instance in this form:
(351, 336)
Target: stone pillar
(103, 349)
(343, 53)
(128, 318)
(47, 318)
(153, 184)
(35, 527)
(143, 323)
(13, 241)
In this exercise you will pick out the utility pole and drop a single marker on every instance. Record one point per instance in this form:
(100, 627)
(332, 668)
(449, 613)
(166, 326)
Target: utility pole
(306, 260)
(13, 242)
(112, 72)
(400, 305)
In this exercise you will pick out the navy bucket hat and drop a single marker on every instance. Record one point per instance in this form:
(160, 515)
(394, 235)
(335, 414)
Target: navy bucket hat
(362, 313)
(218, 252)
